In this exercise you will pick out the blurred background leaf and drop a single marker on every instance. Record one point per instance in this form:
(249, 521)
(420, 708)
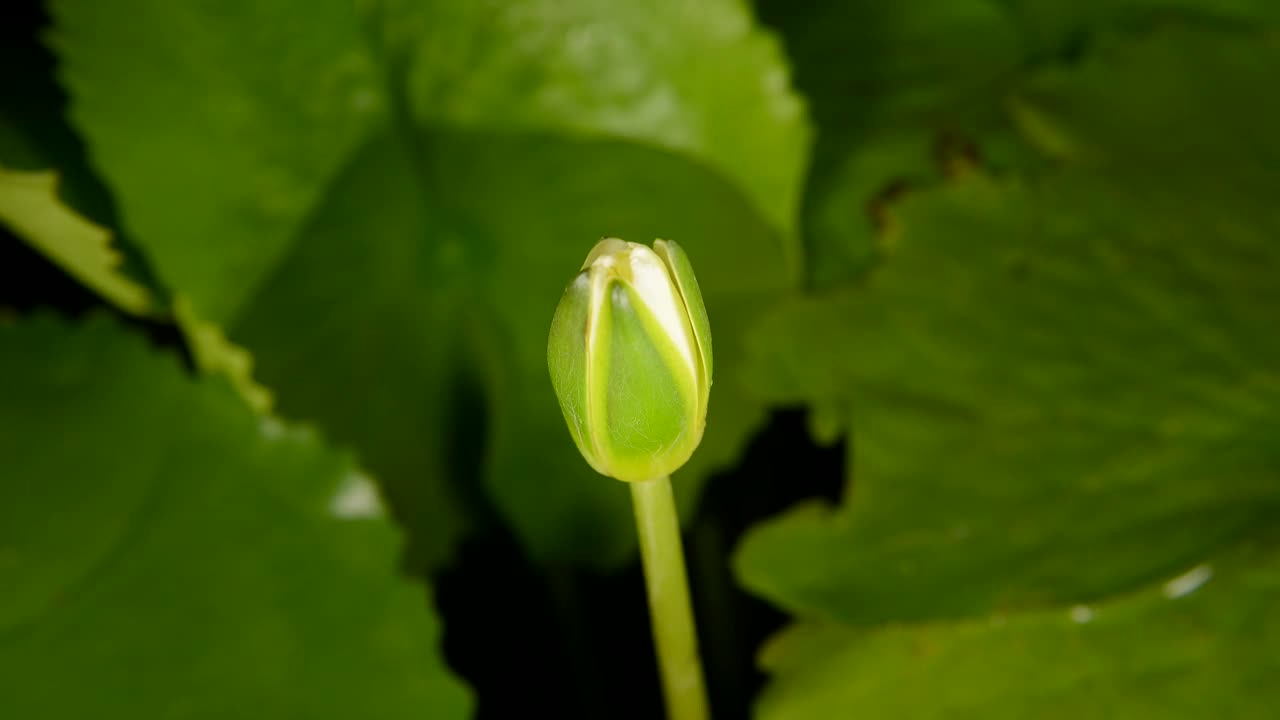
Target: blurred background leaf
(698, 79)
(1039, 376)
(1201, 645)
(180, 556)
(891, 87)
(30, 206)
(902, 93)
(1060, 382)
(395, 262)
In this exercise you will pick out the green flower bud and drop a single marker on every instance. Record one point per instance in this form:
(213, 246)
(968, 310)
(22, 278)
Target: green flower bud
(630, 359)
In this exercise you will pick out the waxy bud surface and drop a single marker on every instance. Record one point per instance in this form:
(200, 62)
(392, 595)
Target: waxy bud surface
(630, 359)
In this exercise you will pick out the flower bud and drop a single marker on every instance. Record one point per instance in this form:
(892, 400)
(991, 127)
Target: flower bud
(630, 359)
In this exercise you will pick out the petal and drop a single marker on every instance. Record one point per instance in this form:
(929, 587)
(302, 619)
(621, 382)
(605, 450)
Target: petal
(567, 361)
(682, 271)
(655, 285)
(607, 248)
(651, 402)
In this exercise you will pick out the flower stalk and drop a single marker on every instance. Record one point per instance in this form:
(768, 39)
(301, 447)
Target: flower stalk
(630, 360)
(674, 635)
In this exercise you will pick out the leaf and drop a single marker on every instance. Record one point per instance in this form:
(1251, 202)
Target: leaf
(1060, 390)
(30, 207)
(1204, 644)
(35, 136)
(33, 133)
(382, 225)
(698, 79)
(1063, 26)
(214, 136)
(906, 94)
(893, 88)
(863, 63)
(181, 557)
(215, 355)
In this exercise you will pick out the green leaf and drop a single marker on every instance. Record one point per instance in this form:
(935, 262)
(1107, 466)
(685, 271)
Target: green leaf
(215, 136)
(372, 258)
(1060, 390)
(864, 63)
(893, 88)
(1205, 644)
(906, 94)
(31, 208)
(699, 79)
(33, 132)
(36, 136)
(214, 354)
(1062, 27)
(178, 556)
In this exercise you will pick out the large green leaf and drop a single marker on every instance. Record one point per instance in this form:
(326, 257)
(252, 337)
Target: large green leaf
(215, 135)
(1058, 390)
(697, 78)
(376, 224)
(893, 87)
(169, 553)
(903, 93)
(1204, 644)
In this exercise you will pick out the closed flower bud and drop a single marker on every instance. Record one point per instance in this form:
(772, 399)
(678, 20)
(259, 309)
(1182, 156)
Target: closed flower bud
(630, 359)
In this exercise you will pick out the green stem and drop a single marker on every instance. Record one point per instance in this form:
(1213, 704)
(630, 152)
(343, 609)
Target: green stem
(674, 635)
